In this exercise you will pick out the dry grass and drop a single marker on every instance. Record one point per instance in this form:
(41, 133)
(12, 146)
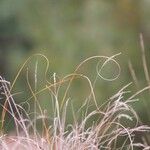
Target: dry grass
(109, 131)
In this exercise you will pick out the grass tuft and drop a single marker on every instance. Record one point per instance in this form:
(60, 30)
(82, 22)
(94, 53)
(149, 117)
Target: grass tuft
(116, 125)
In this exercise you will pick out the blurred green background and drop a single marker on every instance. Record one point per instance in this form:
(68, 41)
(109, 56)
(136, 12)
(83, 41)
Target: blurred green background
(69, 31)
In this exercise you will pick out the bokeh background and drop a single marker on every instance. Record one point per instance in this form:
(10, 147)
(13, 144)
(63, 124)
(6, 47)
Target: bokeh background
(69, 31)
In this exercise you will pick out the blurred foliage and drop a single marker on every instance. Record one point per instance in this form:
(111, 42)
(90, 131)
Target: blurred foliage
(67, 32)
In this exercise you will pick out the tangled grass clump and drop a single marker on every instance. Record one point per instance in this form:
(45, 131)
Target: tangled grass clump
(110, 129)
